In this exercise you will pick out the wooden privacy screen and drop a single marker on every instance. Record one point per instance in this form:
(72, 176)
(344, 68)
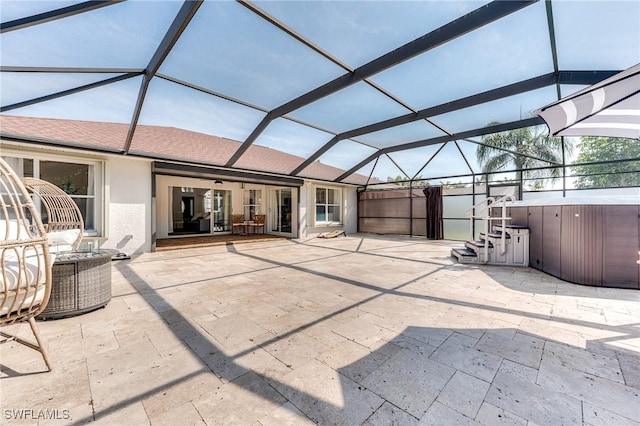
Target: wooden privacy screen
(401, 212)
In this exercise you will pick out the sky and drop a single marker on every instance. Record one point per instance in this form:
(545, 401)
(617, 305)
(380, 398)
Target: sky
(231, 51)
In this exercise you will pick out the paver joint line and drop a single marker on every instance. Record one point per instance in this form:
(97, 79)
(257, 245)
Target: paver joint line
(396, 334)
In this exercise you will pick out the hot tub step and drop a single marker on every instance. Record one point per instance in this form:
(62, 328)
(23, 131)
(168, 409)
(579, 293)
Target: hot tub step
(476, 245)
(495, 234)
(464, 255)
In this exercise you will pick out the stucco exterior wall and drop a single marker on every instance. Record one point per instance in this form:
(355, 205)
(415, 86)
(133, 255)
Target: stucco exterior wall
(128, 205)
(349, 224)
(351, 215)
(129, 215)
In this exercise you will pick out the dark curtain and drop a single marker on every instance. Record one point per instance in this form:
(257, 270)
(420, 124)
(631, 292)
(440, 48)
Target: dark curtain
(433, 196)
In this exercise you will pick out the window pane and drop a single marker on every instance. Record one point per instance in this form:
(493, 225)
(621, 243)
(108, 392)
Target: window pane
(27, 165)
(331, 196)
(250, 212)
(333, 213)
(252, 200)
(72, 178)
(22, 166)
(207, 201)
(87, 207)
(321, 196)
(320, 214)
(255, 196)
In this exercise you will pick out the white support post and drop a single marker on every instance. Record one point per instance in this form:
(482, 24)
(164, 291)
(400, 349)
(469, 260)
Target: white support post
(486, 221)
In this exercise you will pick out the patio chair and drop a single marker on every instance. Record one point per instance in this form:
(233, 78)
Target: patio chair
(62, 217)
(258, 222)
(25, 261)
(237, 221)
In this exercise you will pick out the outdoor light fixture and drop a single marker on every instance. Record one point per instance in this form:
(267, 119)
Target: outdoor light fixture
(218, 181)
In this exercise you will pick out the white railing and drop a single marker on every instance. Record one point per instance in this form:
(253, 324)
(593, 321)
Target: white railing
(483, 210)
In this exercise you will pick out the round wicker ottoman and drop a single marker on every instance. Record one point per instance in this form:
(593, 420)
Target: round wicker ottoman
(81, 283)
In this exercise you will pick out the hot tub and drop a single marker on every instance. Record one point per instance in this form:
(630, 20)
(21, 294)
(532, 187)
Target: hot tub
(592, 241)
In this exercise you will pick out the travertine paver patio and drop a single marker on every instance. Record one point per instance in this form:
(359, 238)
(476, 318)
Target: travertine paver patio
(349, 331)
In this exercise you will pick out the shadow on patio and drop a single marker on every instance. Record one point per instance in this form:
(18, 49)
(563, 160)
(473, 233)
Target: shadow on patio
(352, 329)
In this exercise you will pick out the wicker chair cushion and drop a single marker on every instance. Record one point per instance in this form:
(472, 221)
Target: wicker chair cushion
(61, 241)
(13, 230)
(13, 280)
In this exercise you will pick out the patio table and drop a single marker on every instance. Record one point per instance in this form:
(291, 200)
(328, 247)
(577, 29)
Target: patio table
(245, 226)
(81, 283)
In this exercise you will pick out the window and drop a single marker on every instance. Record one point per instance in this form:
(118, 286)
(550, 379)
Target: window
(251, 203)
(80, 180)
(328, 206)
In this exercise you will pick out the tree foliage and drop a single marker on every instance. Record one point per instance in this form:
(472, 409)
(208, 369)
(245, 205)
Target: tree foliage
(593, 149)
(522, 149)
(418, 182)
(454, 185)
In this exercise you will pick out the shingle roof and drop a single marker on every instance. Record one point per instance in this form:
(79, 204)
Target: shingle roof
(163, 143)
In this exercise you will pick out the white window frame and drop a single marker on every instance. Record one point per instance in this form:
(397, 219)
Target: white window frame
(339, 197)
(257, 205)
(96, 172)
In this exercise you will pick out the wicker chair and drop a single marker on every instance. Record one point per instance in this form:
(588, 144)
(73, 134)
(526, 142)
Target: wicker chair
(25, 261)
(258, 222)
(62, 217)
(237, 221)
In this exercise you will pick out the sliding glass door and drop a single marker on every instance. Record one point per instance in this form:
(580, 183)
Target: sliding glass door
(281, 211)
(221, 207)
(199, 210)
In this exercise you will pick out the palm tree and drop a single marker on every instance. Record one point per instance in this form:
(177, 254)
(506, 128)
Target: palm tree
(522, 149)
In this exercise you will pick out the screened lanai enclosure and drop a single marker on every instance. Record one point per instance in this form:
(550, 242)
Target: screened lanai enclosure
(391, 94)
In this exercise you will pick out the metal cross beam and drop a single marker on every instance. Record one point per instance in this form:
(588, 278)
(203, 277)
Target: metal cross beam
(552, 41)
(69, 91)
(52, 15)
(66, 70)
(454, 29)
(534, 121)
(480, 98)
(562, 77)
(182, 19)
